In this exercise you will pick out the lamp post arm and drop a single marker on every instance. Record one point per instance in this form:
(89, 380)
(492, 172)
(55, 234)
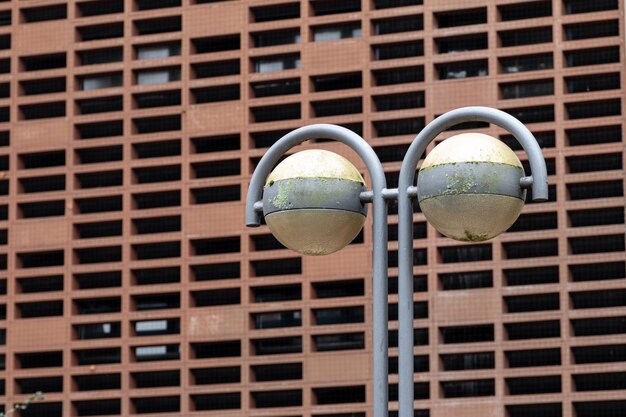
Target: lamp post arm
(379, 232)
(538, 182)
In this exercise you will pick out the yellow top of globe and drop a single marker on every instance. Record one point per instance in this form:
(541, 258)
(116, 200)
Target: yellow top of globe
(315, 163)
(471, 147)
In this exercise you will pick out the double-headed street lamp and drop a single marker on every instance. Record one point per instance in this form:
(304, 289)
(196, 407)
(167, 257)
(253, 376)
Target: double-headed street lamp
(471, 187)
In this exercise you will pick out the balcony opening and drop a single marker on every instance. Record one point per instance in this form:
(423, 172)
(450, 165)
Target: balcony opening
(390, 102)
(468, 361)
(519, 11)
(333, 82)
(329, 7)
(534, 385)
(155, 276)
(334, 289)
(290, 266)
(100, 56)
(228, 270)
(157, 149)
(97, 356)
(97, 382)
(93, 280)
(398, 24)
(100, 179)
(265, 242)
(519, 37)
(156, 379)
(157, 76)
(397, 127)
(216, 94)
(337, 107)
(276, 319)
(157, 51)
(466, 280)
(398, 50)
(599, 408)
(531, 249)
(40, 309)
(99, 204)
(465, 17)
(276, 113)
(45, 86)
(596, 135)
(597, 189)
(275, 37)
(277, 345)
(169, 352)
(338, 342)
(339, 395)
(216, 246)
(602, 108)
(97, 407)
(42, 184)
(457, 44)
(218, 375)
(534, 221)
(591, 30)
(592, 163)
(45, 209)
(275, 12)
(599, 354)
(100, 129)
(276, 372)
(218, 194)
(40, 259)
(216, 68)
(156, 4)
(596, 82)
(225, 349)
(98, 305)
(531, 358)
(582, 6)
(44, 13)
(336, 32)
(467, 334)
(387, 4)
(42, 159)
(596, 272)
(476, 253)
(156, 301)
(99, 229)
(276, 63)
(338, 315)
(596, 244)
(275, 87)
(42, 111)
(534, 302)
(99, 32)
(270, 399)
(460, 70)
(159, 25)
(276, 293)
(156, 225)
(532, 276)
(221, 401)
(216, 44)
(392, 76)
(97, 330)
(46, 283)
(221, 297)
(163, 404)
(157, 124)
(600, 382)
(533, 330)
(594, 56)
(216, 143)
(162, 173)
(470, 388)
(526, 89)
(98, 8)
(598, 299)
(100, 105)
(35, 360)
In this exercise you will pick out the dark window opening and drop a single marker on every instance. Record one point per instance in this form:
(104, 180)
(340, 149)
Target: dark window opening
(533, 114)
(49, 409)
(97, 330)
(210, 195)
(230, 270)
(219, 375)
(596, 244)
(534, 302)
(100, 56)
(97, 8)
(156, 301)
(398, 50)
(216, 68)
(336, 342)
(399, 24)
(100, 179)
(265, 242)
(216, 143)
(533, 330)
(336, 32)
(162, 173)
(216, 94)
(276, 37)
(97, 407)
(40, 309)
(39, 360)
(587, 83)
(276, 319)
(599, 408)
(534, 385)
(98, 305)
(46, 209)
(468, 361)
(420, 284)
(156, 379)
(45, 13)
(536, 62)
(100, 129)
(290, 266)
(467, 334)
(163, 404)
(276, 87)
(460, 70)
(226, 349)
(157, 149)
(589, 30)
(42, 184)
(461, 17)
(216, 246)
(453, 45)
(595, 272)
(599, 354)
(45, 86)
(471, 388)
(582, 6)
(269, 399)
(153, 276)
(92, 280)
(398, 127)
(526, 89)
(157, 225)
(602, 108)
(156, 4)
(534, 221)
(40, 259)
(266, 139)
(100, 105)
(98, 255)
(99, 204)
(98, 356)
(333, 289)
(98, 32)
(474, 253)
(222, 401)
(591, 163)
(419, 229)
(276, 372)
(5, 66)
(157, 124)
(43, 111)
(5, 42)
(216, 44)
(275, 12)
(595, 56)
(339, 395)
(519, 11)
(41, 284)
(328, 7)
(5, 18)
(531, 249)
(466, 280)
(392, 76)
(598, 299)
(337, 81)
(161, 25)
(536, 357)
(99, 229)
(272, 294)
(519, 37)
(97, 382)
(221, 297)
(156, 353)
(597, 189)
(275, 113)
(42, 159)
(337, 107)
(386, 4)
(157, 99)
(277, 346)
(420, 364)
(413, 100)
(532, 276)
(340, 315)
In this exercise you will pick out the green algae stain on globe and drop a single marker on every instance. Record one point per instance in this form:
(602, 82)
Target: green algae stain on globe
(311, 202)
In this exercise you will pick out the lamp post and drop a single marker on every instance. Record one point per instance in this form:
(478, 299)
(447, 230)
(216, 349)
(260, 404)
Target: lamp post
(327, 191)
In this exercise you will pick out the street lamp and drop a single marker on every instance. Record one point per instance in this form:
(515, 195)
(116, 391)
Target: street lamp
(471, 178)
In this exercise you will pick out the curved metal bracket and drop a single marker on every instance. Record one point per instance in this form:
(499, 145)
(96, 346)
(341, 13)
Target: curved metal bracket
(379, 230)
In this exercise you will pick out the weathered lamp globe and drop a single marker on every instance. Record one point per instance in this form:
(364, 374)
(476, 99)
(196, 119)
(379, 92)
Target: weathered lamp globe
(469, 187)
(311, 202)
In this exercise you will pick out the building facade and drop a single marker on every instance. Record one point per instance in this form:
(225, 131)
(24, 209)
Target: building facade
(129, 130)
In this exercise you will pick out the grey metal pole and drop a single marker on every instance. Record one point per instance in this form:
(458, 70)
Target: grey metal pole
(379, 231)
(538, 181)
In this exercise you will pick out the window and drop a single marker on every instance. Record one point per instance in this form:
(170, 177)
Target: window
(216, 94)
(332, 33)
(589, 136)
(531, 358)
(339, 395)
(413, 100)
(276, 37)
(277, 346)
(453, 45)
(159, 25)
(157, 124)
(276, 87)
(40, 309)
(534, 302)
(97, 32)
(519, 37)
(468, 361)
(43, 111)
(100, 105)
(466, 280)
(402, 75)
(467, 334)
(157, 51)
(216, 68)
(528, 10)
(386, 4)
(337, 107)
(220, 297)
(216, 44)
(278, 319)
(97, 382)
(100, 7)
(527, 89)
(276, 63)
(156, 4)
(271, 294)
(156, 379)
(465, 69)
(582, 6)
(275, 113)
(328, 7)
(470, 388)
(157, 99)
(221, 401)
(275, 12)
(595, 56)
(586, 109)
(43, 62)
(590, 30)
(40, 284)
(596, 82)
(154, 276)
(461, 17)
(534, 385)
(156, 327)
(97, 330)
(96, 82)
(269, 399)
(157, 76)
(100, 56)
(533, 330)
(92, 280)
(45, 13)
(163, 404)
(397, 127)
(399, 24)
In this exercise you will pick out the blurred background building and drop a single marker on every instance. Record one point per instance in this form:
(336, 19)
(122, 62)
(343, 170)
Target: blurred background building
(128, 133)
